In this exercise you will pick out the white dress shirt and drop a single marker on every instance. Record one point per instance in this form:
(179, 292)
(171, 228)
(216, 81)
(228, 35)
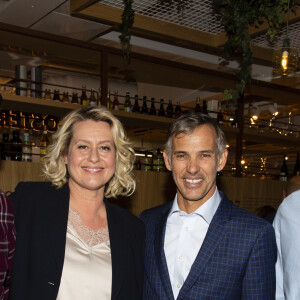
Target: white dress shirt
(184, 236)
(287, 230)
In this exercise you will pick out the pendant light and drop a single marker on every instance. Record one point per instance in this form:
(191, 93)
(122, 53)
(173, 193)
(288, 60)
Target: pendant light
(285, 59)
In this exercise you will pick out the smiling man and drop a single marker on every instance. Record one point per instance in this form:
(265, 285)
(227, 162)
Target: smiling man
(201, 246)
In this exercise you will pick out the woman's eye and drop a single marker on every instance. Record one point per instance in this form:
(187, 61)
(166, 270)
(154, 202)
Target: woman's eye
(105, 148)
(82, 147)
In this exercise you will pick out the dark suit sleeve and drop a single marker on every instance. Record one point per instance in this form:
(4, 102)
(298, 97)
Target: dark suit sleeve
(139, 257)
(15, 199)
(259, 279)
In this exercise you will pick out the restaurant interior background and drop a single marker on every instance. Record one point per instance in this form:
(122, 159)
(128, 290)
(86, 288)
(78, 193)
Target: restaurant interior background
(175, 56)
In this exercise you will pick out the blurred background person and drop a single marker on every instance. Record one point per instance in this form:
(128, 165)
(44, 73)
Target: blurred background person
(72, 242)
(287, 230)
(266, 212)
(7, 244)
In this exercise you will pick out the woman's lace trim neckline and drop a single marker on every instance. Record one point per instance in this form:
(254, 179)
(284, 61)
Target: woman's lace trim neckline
(89, 236)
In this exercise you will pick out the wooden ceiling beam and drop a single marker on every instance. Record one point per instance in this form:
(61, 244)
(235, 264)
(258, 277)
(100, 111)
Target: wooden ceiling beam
(146, 25)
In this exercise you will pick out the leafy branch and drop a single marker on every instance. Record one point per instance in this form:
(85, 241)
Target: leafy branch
(236, 17)
(127, 22)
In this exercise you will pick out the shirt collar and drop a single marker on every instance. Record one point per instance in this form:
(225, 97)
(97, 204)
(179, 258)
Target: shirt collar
(206, 210)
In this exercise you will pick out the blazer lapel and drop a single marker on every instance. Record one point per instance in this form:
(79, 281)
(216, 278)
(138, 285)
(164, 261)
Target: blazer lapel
(159, 238)
(56, 220)
(214, 235)
(118, 241)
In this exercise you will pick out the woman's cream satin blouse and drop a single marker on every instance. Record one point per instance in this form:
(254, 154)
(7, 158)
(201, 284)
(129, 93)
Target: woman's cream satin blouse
(87, 272)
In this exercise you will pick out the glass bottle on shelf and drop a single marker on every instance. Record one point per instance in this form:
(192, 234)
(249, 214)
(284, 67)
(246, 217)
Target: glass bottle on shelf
(56, 96)
(16, 146)
(43, 143)
(116, 103)
(65, 97)
(204, 107)
(235, 119)
(170, 109)
(152, 111)
(5, 147)
(47, 95)
(177, 110)
(136, 106)
(144, 110)
(127, 103)
(75, 98)
(197, 106)
(296, 170)
(158, 161)
(137, 163)
(284, 172)
(83, 97)
(161, 111)
(108, 102)
(226, 114)
(92, 99)
(26, 150)
(99, 97)
(220, 117)
(146, 164)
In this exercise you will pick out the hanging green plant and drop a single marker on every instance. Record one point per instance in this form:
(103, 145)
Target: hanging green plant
(236, 17)
(127, 22)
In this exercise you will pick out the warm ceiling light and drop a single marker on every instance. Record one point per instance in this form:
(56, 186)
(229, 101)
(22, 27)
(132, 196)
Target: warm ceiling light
(256, 112)
(285, 59)
(273, 109)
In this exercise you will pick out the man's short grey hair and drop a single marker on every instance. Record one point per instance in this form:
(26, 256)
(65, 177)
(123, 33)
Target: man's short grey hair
(187, 123)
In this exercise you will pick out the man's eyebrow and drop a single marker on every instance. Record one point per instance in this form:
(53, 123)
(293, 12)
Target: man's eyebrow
(207, 151)
(179, 151)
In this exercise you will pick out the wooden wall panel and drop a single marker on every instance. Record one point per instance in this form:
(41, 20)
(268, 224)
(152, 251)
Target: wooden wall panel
(155, 188)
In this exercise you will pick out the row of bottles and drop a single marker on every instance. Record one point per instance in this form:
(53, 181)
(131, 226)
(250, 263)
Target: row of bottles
(149, 161)
(168, 112)
(83, 99)
(137, 105)
(113, 103)
(27, 150)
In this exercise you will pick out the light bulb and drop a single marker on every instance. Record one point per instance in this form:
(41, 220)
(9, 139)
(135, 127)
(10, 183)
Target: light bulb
(284, 62)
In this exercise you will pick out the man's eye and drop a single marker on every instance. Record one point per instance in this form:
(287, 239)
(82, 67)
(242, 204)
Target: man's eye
(180, 155)
(207, 156)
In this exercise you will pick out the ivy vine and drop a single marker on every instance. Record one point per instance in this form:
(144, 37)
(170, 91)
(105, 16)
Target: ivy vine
(236, 16)
(127, 22)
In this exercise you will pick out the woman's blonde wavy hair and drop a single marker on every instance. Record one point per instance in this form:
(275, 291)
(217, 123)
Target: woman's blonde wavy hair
(54, 168)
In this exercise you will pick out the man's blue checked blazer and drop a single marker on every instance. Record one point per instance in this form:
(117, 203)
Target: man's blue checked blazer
(236, 261)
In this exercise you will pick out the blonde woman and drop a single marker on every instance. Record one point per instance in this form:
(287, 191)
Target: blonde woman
(72, 243)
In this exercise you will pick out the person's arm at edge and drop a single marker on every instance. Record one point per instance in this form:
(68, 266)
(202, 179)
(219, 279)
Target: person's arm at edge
(11, 233)
(279, 266)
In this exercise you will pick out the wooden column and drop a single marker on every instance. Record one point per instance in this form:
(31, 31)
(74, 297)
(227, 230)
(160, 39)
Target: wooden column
(239, 136)
(104, 76)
